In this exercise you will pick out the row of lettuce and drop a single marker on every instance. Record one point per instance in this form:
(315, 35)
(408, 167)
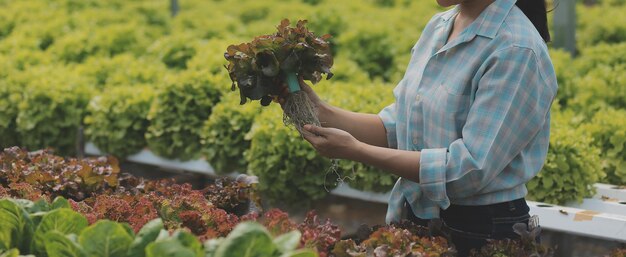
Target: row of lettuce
(52, 206)
(130, 77)
(55, 230)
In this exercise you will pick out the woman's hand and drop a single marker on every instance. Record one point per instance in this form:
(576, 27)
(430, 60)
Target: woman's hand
(332, 143)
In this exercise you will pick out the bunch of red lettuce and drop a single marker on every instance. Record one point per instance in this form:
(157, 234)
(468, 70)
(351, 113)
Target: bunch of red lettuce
(259, 68)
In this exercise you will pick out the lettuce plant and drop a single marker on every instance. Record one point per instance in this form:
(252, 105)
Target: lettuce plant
(178, 113)
(9, 99)
(260, 68)
(268, 68)
(607, 129)
(117, 120)
(52, 109)
(394, 241)
(250, 239)
(223, 135)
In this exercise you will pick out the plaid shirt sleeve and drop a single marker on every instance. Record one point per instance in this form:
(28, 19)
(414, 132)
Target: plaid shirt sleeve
(511, 105)
(387, 115)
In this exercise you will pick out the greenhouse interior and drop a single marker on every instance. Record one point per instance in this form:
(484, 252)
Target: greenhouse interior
(312, 128)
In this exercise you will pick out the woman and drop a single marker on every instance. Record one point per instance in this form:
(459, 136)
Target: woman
(470, 124)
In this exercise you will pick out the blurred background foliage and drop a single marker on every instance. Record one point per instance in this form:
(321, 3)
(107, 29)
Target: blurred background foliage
(133, 76)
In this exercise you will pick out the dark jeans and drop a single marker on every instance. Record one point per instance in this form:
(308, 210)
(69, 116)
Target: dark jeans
(469, 227)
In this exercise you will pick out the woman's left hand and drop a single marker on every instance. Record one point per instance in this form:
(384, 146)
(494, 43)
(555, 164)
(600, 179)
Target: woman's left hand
(332, 143)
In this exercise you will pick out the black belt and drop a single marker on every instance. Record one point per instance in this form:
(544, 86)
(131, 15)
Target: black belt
(479, 213)
(514, 208)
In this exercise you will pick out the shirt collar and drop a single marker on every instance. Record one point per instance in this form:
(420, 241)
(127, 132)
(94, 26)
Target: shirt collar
(493, 17)
(446, 16)
(489, 21)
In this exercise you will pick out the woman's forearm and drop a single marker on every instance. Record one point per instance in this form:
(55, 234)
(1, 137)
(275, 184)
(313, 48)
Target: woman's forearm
(367, 128)
(402, 163)
(339, 144)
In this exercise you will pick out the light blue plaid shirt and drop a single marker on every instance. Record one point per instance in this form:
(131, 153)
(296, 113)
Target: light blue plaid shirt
(478, 109)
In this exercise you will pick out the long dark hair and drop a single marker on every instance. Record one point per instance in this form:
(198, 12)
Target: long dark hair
(536, 12)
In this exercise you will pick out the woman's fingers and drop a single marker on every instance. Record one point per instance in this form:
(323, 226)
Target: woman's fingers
(315, 130)
(314, 139)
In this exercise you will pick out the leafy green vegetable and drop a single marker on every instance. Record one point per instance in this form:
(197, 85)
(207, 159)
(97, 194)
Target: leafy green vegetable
(300, 253)
(109, 40)
(52, 109)
(27, 205)
(58, 245)
(288, 242)
(598, 55)
(64, 221)
(15, 226)
(377, 51)
(181, 243)
(601, 24)
(39, 206)
(607, 127)
(603, 86)
(259, 68)
(178, 113)
(59, 203)
(124, 70)
(251, 239)
(175, 51)
(146, 235)
(117, 120)
(105, 239)
(211, 245)
(223, 135)
(10, 253)
(190, 241)
(168, 248)
(9, 99)
(565, 75)
(248, 239)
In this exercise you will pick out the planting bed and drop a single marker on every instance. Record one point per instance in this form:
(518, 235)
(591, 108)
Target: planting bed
(53, 206)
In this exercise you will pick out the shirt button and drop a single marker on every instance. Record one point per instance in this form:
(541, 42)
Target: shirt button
(415, 141)
(418, 97)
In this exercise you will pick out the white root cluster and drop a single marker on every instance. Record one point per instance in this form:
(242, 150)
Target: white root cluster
(299, 111)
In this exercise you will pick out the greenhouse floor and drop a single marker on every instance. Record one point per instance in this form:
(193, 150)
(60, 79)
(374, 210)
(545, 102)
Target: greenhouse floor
(350, 214)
